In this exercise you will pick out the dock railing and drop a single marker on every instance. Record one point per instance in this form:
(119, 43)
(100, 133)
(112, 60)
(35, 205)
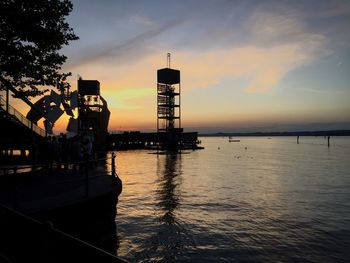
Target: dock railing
(26, 239)
(40, 241)
(85, 173)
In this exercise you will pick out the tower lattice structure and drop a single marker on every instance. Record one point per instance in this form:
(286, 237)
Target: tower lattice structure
(168, 99)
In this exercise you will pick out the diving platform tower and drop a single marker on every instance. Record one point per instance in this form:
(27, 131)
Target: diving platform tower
(168, 99)
(170, 135)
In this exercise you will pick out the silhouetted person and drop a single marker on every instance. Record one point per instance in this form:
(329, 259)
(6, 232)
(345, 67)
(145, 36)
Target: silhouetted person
(56, 152)
(47, 152)
(87, 149)
(34, 148)
(64, 153)
(87, 152)
(76, 153)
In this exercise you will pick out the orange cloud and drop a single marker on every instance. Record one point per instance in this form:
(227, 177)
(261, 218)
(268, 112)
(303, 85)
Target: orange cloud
(262, 67)
(130, 89)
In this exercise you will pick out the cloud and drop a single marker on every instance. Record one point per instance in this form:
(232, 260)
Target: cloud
(274, 45)
(117, 52)
(327, 8)
(278, 44)
(141, 20)
(274, 41)
(262, 68)
(125, 98)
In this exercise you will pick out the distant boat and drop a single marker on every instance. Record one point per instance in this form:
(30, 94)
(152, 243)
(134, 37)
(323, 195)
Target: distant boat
(230, 139)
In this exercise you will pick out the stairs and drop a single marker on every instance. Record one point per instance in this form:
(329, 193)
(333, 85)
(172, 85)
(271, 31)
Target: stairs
(17, 120)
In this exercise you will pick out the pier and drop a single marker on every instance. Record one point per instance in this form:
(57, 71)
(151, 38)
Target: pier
(153, 140)
(59, 214)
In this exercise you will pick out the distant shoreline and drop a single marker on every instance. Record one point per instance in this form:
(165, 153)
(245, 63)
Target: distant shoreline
(296, 133)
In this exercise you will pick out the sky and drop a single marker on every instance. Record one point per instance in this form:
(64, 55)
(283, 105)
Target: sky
(245, 65)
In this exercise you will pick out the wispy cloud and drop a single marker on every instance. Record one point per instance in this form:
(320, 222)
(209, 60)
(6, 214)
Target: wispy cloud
(124, 98)
(248, 46)
(277, 45)
(276, 42)
(262, 68)
(141, 20)
(119, 51)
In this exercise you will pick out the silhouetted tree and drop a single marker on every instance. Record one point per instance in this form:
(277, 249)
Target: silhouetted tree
(31, 34)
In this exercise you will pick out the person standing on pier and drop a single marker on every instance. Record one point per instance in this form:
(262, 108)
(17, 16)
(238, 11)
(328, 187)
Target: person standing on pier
(47, 153)
(56, 152)
(65, 149)
(87, 149)
(76, 153)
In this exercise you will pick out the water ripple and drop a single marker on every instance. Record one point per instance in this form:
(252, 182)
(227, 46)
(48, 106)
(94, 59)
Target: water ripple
(275, 201)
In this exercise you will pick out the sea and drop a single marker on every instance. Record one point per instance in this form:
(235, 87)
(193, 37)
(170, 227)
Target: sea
(262, 199)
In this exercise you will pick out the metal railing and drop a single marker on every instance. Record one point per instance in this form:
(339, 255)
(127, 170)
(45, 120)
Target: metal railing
(85, 170)
(165, 88)
(42, 242)
(21, 118)
(41, 239)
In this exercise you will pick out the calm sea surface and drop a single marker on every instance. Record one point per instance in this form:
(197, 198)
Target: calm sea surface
(257, 200)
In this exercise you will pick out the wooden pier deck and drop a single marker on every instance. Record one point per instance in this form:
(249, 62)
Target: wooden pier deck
(44, 190)
(81, 204)
(139, 140)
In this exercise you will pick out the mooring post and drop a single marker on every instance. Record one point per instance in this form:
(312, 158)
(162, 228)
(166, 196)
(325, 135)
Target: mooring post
(328, 140)
(113, 167)
(15, 189)
(298, 139)
(87, 178)
(7, 100)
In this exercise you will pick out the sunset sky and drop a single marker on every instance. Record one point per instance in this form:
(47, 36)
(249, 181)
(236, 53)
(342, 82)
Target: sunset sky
(245, 65)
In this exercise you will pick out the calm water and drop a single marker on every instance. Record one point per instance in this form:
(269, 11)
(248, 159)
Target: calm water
(258, 200)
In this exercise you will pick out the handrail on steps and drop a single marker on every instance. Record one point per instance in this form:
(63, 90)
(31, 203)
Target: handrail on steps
(20, 117)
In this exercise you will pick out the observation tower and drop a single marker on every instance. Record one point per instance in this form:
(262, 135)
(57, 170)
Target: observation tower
(168, 99)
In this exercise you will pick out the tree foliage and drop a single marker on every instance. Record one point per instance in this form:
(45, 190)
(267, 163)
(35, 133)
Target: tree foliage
(31, 34)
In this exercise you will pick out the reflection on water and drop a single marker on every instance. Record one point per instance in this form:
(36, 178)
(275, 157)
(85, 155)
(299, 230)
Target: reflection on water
(168, 193)
(172, 237)
(260, 200)
(166, 237)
